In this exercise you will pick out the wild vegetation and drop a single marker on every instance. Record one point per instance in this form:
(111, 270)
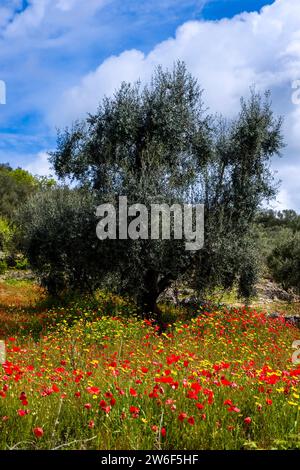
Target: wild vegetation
(100, 377)
(97, 358)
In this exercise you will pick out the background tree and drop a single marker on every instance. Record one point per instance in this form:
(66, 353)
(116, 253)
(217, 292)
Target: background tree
(156, 144)
(58, 227)
(284, 262)
(16, 187)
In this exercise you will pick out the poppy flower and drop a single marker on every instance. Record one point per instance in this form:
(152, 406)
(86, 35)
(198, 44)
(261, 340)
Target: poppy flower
(106, 409)
(200, 406)
(163, 432)
(93, 390)
(133, 392)
(196, 387)
(191, 420)
(182, 416)
(228, 402)
(247, 420)
(164, 380)
(38, 432)
(134, 409)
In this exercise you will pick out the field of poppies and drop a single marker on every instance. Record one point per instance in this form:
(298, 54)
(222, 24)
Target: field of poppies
(98, 377)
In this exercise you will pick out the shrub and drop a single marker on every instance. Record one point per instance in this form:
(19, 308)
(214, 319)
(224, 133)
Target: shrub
(284, 262)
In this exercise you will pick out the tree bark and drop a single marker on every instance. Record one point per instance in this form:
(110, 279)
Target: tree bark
(155, 287)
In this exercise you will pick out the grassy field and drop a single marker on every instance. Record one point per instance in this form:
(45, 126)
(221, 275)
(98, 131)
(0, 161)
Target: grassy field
(92, 375)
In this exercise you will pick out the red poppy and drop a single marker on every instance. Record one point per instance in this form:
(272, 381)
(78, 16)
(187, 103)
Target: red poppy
(163, 432)
(38, 432)
(133, 392)
(182, 416)
(164, 380)
(191, 420)
(93, 390)
(247, 420)
(234, 408)
(134, 409)
(172, 358)
(225, 382)
(106, 409)
(196, 387)
(228, 402)
(199, 406)
(192, 395)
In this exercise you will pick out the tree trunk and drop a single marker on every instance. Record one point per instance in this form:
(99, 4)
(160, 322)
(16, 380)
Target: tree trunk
(148, 301)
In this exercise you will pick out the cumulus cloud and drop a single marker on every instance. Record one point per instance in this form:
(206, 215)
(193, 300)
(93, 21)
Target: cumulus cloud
(40, 165)
(47, 48)
(44, 16)
(227, 56)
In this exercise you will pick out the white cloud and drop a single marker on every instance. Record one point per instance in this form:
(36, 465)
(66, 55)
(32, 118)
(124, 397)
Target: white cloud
(40, 165)
(227, 56)
(289, 194)
(85, 97)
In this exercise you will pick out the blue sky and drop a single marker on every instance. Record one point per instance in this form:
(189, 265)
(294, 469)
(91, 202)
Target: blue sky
(59, 57)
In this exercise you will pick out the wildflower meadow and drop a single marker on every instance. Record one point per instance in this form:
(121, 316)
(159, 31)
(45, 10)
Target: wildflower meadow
(99, 377)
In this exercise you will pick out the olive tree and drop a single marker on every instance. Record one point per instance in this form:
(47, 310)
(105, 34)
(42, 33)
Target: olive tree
(157, 144)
